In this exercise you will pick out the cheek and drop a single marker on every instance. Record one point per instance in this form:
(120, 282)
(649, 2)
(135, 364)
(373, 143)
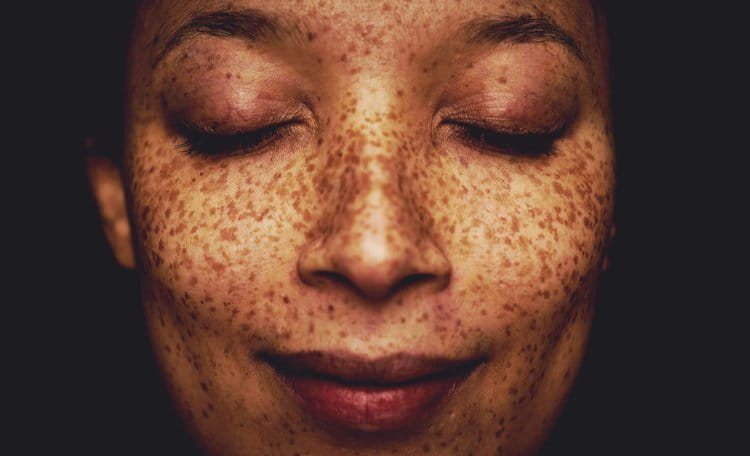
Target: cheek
(526, 243)
(216, 242)
(524, 234)
(222, 233)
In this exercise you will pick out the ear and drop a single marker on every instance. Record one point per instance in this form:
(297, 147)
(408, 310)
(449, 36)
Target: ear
(610, 238)
(107, 185)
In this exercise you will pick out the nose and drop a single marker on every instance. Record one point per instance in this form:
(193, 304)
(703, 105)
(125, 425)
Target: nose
(374, 242)
(374, 250)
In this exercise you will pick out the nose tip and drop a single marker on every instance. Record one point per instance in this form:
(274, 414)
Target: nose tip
(374, 272)
(375, 256)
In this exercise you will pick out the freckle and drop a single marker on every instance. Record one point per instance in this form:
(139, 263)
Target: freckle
(229, 234)
(514, 224)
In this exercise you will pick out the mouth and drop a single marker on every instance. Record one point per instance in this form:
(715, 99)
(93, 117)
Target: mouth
(384, 394)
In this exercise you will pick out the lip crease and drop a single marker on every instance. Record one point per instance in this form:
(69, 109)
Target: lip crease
(384, 394)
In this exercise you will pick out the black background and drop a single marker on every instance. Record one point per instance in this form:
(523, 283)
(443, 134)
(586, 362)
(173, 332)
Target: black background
(82, 374)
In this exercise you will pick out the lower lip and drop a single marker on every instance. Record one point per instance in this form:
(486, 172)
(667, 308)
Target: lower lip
(371, 408)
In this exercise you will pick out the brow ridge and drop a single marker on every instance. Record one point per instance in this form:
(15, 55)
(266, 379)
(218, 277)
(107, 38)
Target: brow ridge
(249, 24)
(519, 29)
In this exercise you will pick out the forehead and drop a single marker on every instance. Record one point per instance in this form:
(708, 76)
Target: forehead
(379, 23)
(371, 8)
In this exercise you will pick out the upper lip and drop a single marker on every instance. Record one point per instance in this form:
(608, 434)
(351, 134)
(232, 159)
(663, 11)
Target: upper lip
(351, 368)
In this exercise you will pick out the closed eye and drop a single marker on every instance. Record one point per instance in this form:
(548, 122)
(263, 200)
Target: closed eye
(204, 141)
(524, 144)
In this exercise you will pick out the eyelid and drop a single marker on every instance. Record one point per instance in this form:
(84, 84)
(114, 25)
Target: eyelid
(490, 116)
(197, 141)
(500, 126)
(237, 120)
(514, 142)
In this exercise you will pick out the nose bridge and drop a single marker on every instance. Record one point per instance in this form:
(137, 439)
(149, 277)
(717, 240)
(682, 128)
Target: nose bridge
(374, 225)
(376, 207)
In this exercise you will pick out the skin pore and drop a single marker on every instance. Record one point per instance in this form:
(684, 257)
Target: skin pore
(374, 178)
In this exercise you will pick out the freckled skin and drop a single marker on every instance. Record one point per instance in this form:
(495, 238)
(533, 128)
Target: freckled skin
(371, 227)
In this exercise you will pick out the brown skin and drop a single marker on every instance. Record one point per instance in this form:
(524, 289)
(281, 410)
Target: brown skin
(371, 227)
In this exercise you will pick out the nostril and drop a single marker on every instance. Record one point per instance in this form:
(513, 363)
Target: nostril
(373, 289)
(374, 254)
(410, 280)
(333, 277)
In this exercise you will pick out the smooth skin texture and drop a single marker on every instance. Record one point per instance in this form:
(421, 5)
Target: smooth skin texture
(373, 223)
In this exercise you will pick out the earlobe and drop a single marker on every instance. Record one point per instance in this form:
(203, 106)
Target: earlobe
(107, 185)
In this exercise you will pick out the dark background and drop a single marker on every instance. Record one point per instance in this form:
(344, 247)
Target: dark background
(653, 378)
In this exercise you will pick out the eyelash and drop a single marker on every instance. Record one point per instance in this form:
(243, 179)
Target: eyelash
(203, 141)
(524, 144)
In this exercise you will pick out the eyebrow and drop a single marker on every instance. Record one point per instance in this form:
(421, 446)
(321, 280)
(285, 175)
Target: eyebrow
(253, 25)
(519, 29)
(250, 25)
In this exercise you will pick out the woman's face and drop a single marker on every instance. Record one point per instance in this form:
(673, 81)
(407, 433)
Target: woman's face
(369, 227)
